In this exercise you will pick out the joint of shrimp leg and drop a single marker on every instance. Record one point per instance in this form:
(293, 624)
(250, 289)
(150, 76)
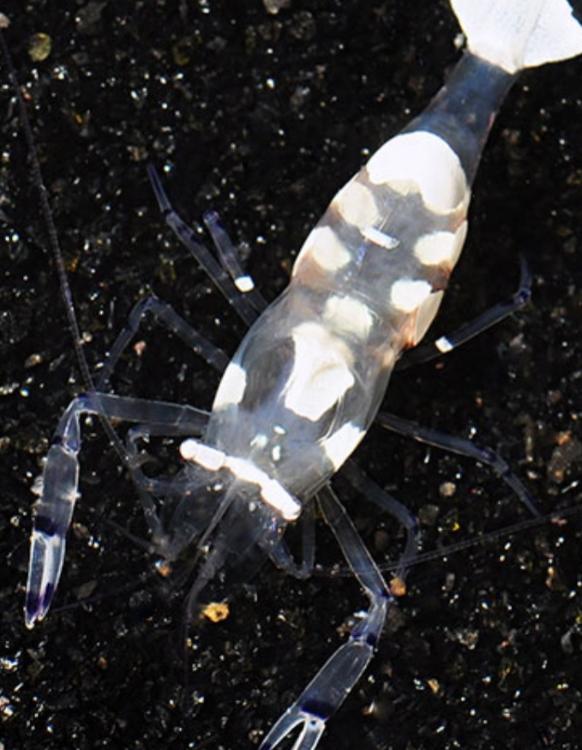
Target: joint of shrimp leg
(138, 432)
(136, 459)
(363, 636)
(522, 297)
(162, 544)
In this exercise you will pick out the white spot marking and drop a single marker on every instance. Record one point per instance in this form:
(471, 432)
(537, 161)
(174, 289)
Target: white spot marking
(279, 430)
(426, 314)
(244, 284)
(380, 238)
(244, 470)
(424, 162)
(272, 492)
(232, 387)
(342, 443)
(276, 453)
(203, 455)
(321, 373)
(348, 314)
(326, 249)
(356, 205)
(443, 345)
(259, 441)
(438, 248)
(407, 294)
(275, 495)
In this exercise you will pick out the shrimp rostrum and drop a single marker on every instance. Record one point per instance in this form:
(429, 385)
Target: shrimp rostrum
(310, 375)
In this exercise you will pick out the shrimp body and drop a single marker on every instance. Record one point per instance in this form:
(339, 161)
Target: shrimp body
(308, 378)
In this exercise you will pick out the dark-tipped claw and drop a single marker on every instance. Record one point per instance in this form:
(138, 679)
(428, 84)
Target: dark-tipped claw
(312, 728)
(47, 553)
(36, 607)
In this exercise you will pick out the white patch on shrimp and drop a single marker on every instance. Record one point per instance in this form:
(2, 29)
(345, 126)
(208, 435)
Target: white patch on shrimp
(408, 294)
(441, 248)
(422, 162)
(244, 284)
(325, 248)
(444, 345)
(203, 455)
(321, 372)
(356, 205)
(426, 314)
(272, 492)
(339, 446)
(259, 441)
(232, 387)
(275, 495)
(348, 314)
(380, 238)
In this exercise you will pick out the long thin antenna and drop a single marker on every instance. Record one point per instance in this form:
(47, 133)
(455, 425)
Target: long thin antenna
(483, 539)
(55, 246)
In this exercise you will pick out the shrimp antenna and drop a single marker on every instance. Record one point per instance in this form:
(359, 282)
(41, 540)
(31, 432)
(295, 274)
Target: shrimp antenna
(55, 246)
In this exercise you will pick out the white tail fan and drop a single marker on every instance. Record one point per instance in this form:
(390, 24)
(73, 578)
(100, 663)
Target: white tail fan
(516, 34)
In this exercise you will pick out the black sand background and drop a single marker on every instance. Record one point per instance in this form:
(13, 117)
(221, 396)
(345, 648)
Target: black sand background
(264, 117)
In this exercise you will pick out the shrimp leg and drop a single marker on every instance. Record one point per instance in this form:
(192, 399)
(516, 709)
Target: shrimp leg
(230, 261)
(331, 685)
(163, 313)
(220, 278)
(60, 482)
(463, 447)
(499, 312)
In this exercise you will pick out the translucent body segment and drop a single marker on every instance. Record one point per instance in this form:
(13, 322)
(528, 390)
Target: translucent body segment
(280, 554)
(311, 388)
(53, 516)
(392, 236)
